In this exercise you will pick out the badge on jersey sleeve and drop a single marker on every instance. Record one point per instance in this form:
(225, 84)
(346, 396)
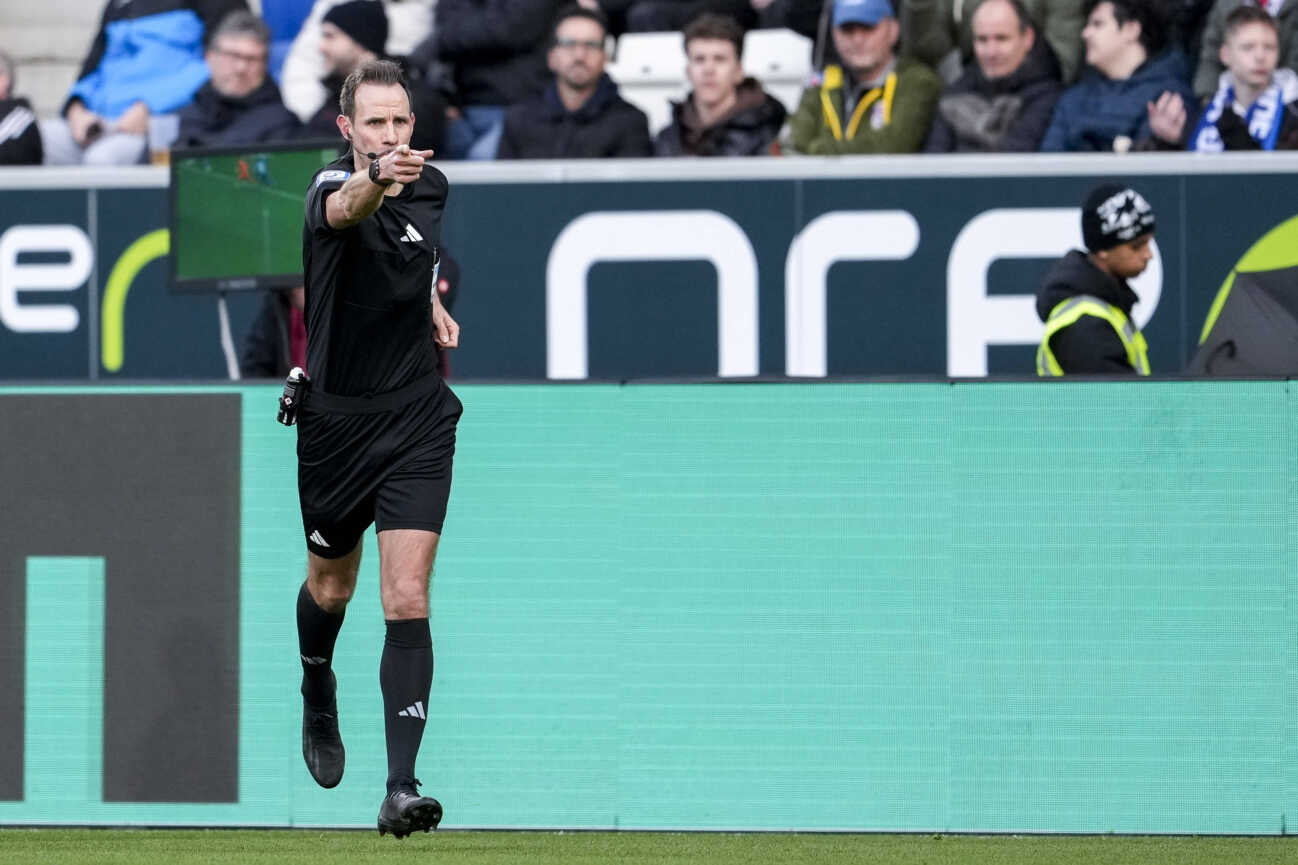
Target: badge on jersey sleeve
(331, 176)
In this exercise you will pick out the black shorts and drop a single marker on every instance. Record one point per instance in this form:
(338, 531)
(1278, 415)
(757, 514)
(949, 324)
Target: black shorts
(385, 460)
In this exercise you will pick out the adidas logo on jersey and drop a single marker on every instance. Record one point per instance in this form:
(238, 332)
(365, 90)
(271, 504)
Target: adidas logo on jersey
(411, 235)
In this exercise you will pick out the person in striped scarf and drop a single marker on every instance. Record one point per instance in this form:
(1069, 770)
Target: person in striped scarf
(1254, 107)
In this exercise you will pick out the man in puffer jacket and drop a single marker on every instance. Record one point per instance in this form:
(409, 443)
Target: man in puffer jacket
(1109, 109)
(938, 32)
(726, 114)
(580, 115)
(1003, 101)
(147, 59)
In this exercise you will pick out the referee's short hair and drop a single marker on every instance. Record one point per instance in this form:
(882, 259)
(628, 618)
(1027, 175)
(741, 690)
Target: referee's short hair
(383, 72)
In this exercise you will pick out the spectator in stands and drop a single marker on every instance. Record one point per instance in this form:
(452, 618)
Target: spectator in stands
(874, 102)
(1003, 101)
(497, 50)
(1108, 109)
(239, 104)
(1211, 65)
(1085, 300)
(726, 113)
(20, 139)
(939, 32)
(352, 33)
(1254, 107)
(580, 115)
(409, 22)
(147, 59)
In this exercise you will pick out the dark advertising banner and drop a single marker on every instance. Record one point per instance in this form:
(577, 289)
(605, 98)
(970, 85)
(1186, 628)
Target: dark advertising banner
(128, 568)
(623, 271)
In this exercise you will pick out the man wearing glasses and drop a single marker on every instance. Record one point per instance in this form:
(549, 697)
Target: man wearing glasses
(580, 114)
(239, 104)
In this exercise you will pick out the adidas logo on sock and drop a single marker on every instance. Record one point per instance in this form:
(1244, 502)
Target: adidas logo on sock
(415, 711)
(314, 661)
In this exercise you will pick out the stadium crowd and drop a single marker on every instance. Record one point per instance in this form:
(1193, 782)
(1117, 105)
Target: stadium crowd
(532, 78)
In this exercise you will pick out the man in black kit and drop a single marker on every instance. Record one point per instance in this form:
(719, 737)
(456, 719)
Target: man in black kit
(376, 430)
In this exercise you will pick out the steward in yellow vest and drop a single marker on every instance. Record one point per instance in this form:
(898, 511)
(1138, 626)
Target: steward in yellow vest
(1085, 300)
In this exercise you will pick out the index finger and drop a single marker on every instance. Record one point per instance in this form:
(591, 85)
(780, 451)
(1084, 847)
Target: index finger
(424, 154)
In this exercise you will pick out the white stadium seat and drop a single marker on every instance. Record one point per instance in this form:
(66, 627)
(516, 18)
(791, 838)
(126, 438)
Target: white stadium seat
(781, 60)
(47, 41)
(649, 69)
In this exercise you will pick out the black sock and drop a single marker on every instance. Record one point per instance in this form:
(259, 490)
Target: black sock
(317, 630)
(405, 677)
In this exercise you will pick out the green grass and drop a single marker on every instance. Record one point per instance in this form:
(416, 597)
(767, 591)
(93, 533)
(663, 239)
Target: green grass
(272, 847)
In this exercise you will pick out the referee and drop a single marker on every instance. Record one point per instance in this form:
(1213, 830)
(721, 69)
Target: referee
(376, 429)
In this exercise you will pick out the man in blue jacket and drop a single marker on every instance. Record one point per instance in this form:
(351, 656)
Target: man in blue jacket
(1108, 109)
(146, 60)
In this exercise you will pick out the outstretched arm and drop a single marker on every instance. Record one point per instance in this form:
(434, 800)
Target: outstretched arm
(359, 197)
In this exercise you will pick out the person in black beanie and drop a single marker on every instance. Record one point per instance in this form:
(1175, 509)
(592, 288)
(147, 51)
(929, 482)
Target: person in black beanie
(352, 33)
(1085, 300)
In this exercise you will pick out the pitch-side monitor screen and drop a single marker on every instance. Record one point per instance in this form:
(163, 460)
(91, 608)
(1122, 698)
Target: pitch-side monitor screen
(236, 215)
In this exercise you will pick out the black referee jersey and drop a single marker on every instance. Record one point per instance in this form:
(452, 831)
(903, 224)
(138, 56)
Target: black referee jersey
(369, 287)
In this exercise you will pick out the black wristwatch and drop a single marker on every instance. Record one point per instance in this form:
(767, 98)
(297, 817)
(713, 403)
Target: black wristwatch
(374, 174)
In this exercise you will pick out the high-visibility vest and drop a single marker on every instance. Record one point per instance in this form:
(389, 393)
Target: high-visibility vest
(1068, 311)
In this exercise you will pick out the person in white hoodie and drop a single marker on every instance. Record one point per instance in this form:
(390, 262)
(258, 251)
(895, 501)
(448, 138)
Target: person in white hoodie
(409, 23)
(1255, 106)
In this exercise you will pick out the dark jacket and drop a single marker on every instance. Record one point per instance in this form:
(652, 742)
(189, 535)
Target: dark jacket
(748, 130)
(1096, 110)
(429, 109)
(980, 115)
(931, 29)
(20, 139)
(213, 120)
(497, 48)
(606, 125)
(1090, 344)
(148, 51)
(266, 347)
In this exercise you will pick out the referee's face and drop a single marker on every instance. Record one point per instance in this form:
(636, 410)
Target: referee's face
(383, 121)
